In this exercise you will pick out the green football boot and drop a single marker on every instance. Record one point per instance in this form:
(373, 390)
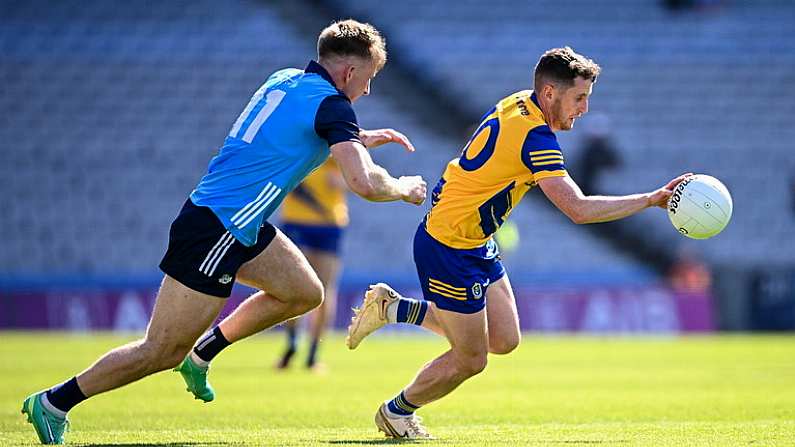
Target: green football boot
(49, 426)
(196, 378)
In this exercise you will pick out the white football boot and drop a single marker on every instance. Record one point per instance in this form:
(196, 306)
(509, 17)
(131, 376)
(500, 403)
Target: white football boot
(371, 315)
(408, 427)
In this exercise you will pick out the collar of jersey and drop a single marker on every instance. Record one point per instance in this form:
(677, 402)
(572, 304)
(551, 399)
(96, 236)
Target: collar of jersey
(533, 97)
(314, 67)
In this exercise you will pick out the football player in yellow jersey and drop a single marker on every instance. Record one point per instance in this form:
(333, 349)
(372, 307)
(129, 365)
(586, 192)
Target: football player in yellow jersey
(467, 294)
(314, 216)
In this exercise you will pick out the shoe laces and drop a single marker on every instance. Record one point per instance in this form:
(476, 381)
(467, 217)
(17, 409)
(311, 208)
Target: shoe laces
(415, 429)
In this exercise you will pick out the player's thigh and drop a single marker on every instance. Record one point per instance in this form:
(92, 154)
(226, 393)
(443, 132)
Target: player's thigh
(180, 316)
(467, 335)
(502, 317)
(282, 271)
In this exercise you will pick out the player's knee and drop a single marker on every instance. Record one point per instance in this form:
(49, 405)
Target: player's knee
(504, 345)
(311, 295)
(162, 355)
(317, 296)
(471, 364)
(306, 297)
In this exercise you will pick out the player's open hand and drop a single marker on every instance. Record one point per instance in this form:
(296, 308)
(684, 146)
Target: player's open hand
(414, 189)
(660, 197)
(378, 137)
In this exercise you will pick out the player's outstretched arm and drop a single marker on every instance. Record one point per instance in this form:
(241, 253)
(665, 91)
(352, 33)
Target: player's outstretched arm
(378, 137)
(372, 182)
(582, 209)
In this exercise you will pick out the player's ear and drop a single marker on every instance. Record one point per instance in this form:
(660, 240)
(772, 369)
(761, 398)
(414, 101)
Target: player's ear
(547, 91)
(349, 72)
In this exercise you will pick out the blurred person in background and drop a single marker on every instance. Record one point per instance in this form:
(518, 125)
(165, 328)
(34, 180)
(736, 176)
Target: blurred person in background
(598, 154)
(689, 273)
(314, 216)
(292, 124)
(467, 295)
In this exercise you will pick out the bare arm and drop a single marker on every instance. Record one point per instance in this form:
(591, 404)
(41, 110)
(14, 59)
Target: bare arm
(372, 182)
(582, 209)
(335, 180)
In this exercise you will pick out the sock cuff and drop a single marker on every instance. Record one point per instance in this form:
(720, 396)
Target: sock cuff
(401, 399)
(411, 311)
(209, 346)
(399, 406)
(64, 396)
(220, 335)
(45, 401)
(421, 311)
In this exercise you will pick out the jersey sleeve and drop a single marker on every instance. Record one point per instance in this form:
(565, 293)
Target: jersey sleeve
(335, 120)
(542, 155)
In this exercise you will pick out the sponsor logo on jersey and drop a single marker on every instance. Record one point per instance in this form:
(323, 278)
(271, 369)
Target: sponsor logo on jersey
(523, 107)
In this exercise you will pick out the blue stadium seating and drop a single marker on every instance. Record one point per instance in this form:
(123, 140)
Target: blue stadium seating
(110, 112)
(706, 91)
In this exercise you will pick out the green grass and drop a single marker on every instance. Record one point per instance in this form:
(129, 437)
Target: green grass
(730, 390)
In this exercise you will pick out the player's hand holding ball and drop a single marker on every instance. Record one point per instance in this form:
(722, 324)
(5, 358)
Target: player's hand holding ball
(661, 196)
(414, 189)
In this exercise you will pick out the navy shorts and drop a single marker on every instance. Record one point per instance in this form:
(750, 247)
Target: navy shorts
(203, 255)
(455, 280)
(318, 237)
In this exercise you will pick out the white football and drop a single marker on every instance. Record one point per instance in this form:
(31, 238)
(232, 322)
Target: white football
(700, 207)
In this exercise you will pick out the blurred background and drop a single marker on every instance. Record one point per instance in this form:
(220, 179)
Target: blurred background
(111, 111)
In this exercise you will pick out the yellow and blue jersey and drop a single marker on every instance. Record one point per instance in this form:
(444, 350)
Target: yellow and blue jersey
(511, 150)
(319, 200)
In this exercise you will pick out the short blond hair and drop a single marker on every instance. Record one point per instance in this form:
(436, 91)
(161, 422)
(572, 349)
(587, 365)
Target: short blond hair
(352, 38)
(561, 66)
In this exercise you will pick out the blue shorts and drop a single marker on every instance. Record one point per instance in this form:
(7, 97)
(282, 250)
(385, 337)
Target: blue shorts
(318, 237)
(455, 280)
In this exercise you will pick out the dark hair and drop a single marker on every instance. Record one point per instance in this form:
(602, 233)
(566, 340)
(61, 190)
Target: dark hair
(352, 38)
(561, 66)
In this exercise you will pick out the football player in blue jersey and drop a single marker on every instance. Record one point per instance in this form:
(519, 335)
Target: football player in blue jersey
(290, 127)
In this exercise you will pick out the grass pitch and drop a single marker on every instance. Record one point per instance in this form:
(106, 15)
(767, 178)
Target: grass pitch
(729, 390)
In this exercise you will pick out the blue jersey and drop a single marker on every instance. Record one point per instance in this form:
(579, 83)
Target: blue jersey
(282, 135)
